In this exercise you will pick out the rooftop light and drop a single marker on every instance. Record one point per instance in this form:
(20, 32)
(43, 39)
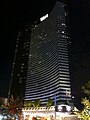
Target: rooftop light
(44, 17)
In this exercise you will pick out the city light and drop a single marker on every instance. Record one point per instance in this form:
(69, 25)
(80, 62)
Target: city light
(1, 117)
(44, 17)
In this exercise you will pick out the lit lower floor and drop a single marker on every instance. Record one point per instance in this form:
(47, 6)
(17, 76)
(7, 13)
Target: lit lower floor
(43, 113)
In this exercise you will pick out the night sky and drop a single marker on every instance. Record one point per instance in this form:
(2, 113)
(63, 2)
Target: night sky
(16, 13)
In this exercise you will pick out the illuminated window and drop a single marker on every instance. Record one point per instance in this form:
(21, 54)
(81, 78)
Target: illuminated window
(62, 31)
(63, 36)
(35, 25)
(30, 55)
(63, 24)
(66, 13)
(40, 62)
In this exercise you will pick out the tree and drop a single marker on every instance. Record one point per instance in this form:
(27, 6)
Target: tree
(28, 103)
(14, 106)
(36, 103)
(85, 113)
(49, 103)
(86, 89)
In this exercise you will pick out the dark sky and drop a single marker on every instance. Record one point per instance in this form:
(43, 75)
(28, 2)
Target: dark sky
(16, 12)
(13, 15)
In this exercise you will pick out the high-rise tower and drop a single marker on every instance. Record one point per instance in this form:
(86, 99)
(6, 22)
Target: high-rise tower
(41, 68)
(19, 68)
(48, 65)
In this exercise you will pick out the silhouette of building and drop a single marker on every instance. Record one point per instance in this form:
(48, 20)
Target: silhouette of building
(41, 67)
(19, 68)
(48, 64)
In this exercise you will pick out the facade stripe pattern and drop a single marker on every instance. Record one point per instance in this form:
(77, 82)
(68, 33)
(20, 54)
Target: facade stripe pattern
(48, 66)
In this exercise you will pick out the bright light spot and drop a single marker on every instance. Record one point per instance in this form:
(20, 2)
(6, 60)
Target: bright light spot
(44, 17)
(5, 117)
(60, 108)
(1, 117)
(63, 24)
(62, 31)
(72, 96)
(68, 108)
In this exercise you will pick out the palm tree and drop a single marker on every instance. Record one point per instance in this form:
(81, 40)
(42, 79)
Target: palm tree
(49, 103)
(36, 103)
(14, 106)
(3, 105)
(28, 103)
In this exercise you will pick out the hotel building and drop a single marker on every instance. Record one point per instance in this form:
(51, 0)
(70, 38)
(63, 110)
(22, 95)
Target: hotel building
(41, 67)
(48, 64)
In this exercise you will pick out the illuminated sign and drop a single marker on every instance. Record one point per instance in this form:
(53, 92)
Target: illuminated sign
(44, 17)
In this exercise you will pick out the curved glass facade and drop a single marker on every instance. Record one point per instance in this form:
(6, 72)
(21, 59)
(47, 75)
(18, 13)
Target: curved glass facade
(48, 65)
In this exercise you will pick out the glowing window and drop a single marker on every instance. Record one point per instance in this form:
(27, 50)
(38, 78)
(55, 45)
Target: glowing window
(62, 31)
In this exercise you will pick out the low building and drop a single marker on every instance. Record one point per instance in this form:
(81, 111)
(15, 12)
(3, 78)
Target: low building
(63, 112)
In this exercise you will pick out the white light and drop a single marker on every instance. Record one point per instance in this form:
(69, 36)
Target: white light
(68, 108)
(62, 31)
(60, 107)
(5, 117)
(1, 117)
(44, 17)
(63, 24)
(72, 96)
